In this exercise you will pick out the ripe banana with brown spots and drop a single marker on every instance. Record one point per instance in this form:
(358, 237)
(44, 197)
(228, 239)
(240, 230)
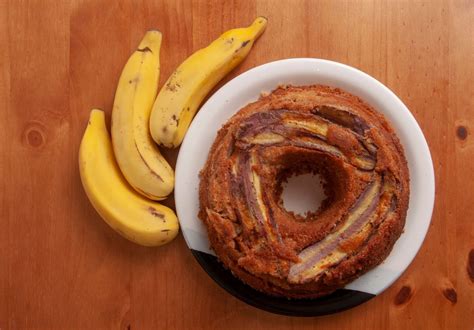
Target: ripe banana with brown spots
(182, 94)
(133, 216)
(137, 155)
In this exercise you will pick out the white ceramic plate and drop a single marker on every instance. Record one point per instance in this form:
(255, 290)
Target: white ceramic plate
(246, 88)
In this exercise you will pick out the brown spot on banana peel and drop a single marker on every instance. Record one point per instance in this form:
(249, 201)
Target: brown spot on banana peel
(175, 119)
(134, 80)
(154, 212)
(146, 49)
(173, 86)
(242, 45)
(146, 164)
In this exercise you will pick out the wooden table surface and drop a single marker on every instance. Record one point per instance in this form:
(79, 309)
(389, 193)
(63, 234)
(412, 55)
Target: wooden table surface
(61, 266)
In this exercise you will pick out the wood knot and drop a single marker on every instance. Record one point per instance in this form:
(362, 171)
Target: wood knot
(462, 132)
(403, 295)
(470, 265)
(451, 295)
(34, 136)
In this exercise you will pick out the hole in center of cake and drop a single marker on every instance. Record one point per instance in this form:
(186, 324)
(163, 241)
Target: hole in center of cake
(303, 194)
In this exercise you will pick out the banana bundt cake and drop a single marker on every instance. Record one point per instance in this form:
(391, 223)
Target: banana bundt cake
(296, 130)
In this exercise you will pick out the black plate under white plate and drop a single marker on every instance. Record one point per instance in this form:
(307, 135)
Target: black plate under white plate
(338, 301)
(246, 88)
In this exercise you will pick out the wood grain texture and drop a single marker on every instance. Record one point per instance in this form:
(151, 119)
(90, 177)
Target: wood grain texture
(62, 267)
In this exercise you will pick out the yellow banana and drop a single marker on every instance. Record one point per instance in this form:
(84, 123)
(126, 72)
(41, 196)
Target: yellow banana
(133, 216)
(137, 155)
(181, 95)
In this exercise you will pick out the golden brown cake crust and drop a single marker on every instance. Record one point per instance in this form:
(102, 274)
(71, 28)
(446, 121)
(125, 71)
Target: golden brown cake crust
(296, 130)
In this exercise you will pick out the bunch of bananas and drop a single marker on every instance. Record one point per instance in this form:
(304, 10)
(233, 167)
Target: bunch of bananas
(124, 176)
